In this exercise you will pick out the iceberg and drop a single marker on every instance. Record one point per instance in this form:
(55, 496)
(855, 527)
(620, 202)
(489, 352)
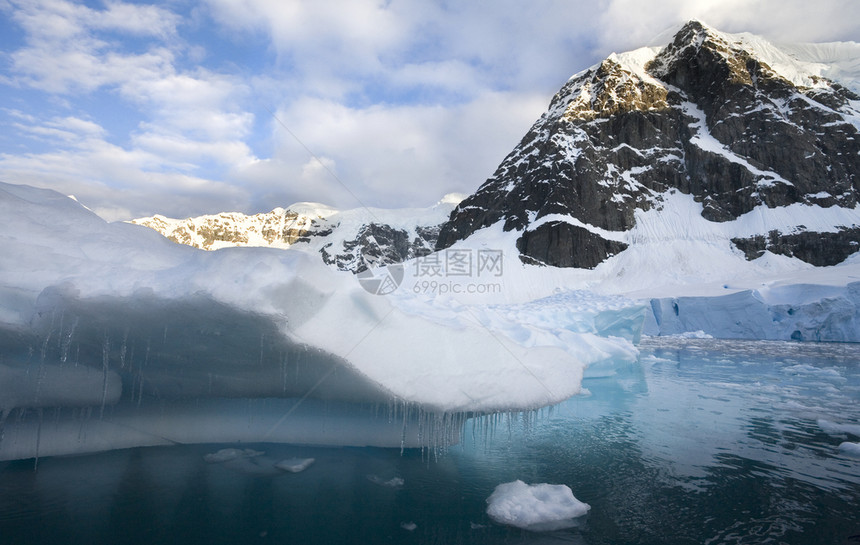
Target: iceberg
(536, 507)
(130, 340)
(798, 312)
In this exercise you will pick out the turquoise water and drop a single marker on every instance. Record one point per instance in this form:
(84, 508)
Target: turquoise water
(701, 442)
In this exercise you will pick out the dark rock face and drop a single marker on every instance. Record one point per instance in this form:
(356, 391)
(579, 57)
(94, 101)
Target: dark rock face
(819, 249)
(561, 244)
(704, 117)
(377, 245)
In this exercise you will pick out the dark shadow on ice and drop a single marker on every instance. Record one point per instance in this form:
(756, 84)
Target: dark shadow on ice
(185, 348)
(100, 373)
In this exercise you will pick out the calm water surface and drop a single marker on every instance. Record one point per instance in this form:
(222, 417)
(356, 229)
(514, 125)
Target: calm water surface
(701, 442)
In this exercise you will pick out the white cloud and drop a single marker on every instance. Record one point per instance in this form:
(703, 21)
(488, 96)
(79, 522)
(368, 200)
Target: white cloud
(66, 129)
(401, 101)
(189, 120)
(390, 155)
(627, 24)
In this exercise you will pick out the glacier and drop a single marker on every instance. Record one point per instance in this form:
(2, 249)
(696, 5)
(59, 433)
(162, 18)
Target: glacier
(113, 337)
(688, 276)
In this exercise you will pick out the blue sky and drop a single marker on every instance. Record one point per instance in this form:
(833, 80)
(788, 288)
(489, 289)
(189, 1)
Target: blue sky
(185, 108)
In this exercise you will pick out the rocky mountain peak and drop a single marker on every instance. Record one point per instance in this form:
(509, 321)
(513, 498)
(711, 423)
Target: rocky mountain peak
(609, 90)
(730, 120)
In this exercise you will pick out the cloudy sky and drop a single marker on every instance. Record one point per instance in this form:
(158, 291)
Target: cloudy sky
(191, 107)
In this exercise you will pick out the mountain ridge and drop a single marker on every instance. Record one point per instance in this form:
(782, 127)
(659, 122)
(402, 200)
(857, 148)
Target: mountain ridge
(703, 116)
(747, 129)
(352, 240)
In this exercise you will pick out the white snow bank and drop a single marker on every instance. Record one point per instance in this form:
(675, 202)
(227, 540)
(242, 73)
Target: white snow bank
(537, 507)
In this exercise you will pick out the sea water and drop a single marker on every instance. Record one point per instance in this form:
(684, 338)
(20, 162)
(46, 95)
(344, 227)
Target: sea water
(702, 442)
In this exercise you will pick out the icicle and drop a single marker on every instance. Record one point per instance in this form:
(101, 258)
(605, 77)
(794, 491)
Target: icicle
(66, 341)
(3, 416)
(122, 349)
(140, 375)
(38, 439)
(284, 373)
(403, 436)
(47, 339)
(262, 339)
(105, 366)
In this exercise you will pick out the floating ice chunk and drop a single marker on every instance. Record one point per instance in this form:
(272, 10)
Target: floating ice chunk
(537, 507)
(833, 428)
(394, 482)
(409, 526)
(699, 334)
(227, 454)
(851, 449)
(295, 465)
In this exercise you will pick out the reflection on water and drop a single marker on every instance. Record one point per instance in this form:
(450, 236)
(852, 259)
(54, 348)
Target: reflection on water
(702, 441)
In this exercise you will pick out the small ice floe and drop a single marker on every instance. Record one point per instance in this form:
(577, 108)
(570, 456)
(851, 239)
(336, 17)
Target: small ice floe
(849, 448)
(394, 482)
(699, 334)
(475, 526)
(834, 428)
(227, 454)
(295, 465)
(247, 461)
(537, 507)
(409, 526)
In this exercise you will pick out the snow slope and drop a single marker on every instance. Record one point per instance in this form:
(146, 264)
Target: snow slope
(686, 272)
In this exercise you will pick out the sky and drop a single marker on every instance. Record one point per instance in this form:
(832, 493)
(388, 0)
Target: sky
(183, 108)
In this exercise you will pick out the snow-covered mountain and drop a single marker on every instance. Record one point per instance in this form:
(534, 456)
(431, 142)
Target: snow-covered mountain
(758, 141)
(766, 146)
(346, 239)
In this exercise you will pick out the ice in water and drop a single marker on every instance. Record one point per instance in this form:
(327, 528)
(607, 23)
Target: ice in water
(852, 449)
(295, 465)
(537, 507)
